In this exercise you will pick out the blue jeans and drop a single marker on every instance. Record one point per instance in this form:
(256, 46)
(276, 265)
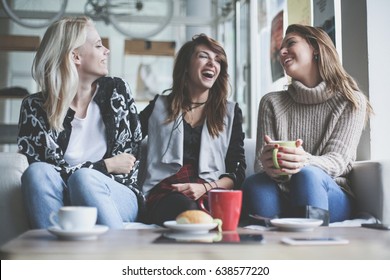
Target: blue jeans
(311, 186)
(45, 191)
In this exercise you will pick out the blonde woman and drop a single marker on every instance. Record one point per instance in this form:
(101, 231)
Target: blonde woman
(324, 111)
(81, 133)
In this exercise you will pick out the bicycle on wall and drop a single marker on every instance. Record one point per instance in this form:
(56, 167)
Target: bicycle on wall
(132, 18)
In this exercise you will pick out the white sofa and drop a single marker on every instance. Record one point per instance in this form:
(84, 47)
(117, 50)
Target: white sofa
(370, 181)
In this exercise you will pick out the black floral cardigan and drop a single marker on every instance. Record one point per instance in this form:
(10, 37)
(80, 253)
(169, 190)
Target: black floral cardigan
(123, 131)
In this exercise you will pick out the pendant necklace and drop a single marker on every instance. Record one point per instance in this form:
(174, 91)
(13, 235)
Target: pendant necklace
(196, 105)
(190, 108)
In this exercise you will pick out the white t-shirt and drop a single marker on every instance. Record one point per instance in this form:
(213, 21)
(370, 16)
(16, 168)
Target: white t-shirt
(88, 138)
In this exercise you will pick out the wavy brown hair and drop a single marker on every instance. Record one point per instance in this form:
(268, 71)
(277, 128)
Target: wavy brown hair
(178, 98)
(329, 64)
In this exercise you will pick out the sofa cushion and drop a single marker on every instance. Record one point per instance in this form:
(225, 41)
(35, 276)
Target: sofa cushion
(12, 166)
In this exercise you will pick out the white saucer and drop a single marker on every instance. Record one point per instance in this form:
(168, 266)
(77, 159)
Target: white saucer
(190, 228)
(207, 237)
(296, 224)
(78, 234)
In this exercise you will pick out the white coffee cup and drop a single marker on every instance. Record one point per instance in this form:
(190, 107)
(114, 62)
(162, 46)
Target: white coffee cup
(74, 217)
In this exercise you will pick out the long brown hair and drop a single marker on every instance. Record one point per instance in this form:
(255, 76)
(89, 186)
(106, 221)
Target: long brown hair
(329, 64)
(178, 98)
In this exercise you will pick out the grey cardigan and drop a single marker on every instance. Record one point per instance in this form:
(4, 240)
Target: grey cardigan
(165, 147)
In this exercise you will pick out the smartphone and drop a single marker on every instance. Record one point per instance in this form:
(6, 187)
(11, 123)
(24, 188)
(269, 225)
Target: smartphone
(211, 237)
(377, 226)
(314, 241)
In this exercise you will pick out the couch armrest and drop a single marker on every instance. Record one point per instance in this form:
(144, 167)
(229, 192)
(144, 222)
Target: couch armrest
(12, 214)
(250, 155)
(370, 181)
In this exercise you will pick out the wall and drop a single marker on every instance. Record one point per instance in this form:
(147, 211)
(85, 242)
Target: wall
(355, 56)
(366, 43)
(378, 22)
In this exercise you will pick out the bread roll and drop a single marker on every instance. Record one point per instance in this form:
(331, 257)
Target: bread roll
(194, 217)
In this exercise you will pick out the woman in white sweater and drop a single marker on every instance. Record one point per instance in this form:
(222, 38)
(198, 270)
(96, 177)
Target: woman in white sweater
(324, 111)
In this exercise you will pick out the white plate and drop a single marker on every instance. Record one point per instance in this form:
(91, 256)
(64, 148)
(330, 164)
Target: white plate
(207, 237)
(296, 224)
(78, 234)
(192, 228)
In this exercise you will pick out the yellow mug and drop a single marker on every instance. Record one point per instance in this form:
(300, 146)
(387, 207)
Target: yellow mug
(276, 150)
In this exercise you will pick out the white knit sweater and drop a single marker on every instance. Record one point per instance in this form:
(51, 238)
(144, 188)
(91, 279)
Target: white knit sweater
(326, 122)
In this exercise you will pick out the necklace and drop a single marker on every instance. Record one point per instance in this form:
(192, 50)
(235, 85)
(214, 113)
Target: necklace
(194, 105)
(194, 117)
(197, 105)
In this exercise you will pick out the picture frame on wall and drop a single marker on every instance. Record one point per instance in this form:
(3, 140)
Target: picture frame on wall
(324, 17)
(277, 71)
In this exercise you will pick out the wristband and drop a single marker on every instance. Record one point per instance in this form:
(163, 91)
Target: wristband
(205, 187)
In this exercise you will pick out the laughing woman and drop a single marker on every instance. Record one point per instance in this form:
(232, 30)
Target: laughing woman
(195, 137)
(324, 111)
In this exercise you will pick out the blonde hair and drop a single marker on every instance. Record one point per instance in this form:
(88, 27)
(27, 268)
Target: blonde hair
(329, 64)
(53, 68)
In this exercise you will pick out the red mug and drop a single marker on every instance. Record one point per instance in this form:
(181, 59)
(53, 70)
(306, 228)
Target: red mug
(224, 205)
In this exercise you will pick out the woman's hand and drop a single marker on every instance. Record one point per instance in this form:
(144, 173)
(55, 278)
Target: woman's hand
(266, 158)
(291, 160)
(120, 164)
(191, 190)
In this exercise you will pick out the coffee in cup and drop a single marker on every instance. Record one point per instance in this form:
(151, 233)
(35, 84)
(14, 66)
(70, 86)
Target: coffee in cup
(225, 205)
(74, 217)
(275, 151)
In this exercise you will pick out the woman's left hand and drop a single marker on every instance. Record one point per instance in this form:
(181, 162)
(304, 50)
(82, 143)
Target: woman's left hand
(120, 164)
(191, 190)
